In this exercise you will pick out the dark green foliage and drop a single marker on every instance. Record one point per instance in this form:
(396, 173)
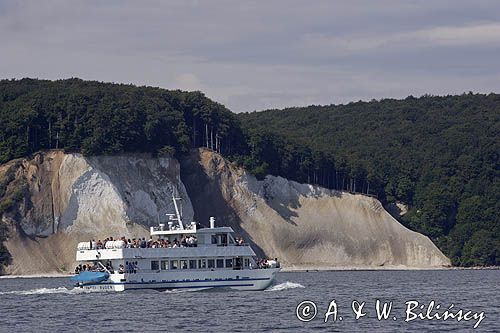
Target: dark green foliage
(440, 155)
(482, 248)
(8, 177)
(5, 257)
(4, 253)
(5, 205)
(104, 118)
(437, 154)
(167, 151)
(13, 193)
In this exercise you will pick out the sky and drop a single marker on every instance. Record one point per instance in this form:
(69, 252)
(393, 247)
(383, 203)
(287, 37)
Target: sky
(255, 55)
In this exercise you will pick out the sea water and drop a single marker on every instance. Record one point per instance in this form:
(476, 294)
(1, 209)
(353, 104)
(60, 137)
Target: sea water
(297, 302)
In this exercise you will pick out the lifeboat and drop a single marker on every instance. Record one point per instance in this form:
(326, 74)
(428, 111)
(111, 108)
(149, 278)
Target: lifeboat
(87, 277)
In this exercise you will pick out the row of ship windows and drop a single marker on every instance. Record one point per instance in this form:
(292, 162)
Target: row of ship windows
(199, 264)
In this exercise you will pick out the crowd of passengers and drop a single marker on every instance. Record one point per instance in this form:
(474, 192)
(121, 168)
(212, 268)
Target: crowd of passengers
(131, 267)
(186, 241)
(94, 267)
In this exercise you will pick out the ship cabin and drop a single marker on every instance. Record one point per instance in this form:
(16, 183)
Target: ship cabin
(170, 248)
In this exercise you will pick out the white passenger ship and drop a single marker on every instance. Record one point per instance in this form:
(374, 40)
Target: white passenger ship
(176, 256)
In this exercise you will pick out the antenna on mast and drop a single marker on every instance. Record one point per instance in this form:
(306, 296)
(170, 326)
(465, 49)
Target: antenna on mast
(177, 213)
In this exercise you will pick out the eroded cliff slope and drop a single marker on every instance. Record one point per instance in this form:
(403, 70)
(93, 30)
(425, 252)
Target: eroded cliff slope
(58, 199)
(61, 199)
(303, 225)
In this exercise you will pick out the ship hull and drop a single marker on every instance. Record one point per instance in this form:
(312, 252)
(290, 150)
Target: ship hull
(247, 279)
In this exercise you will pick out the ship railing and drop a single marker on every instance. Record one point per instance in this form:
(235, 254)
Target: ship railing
(91, 245)
(171, 227)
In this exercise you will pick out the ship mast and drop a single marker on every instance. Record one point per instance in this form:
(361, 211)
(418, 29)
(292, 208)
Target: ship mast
(177, 217)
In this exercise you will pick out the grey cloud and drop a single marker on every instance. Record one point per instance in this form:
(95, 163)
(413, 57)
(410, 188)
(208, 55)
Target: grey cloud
(255, 55)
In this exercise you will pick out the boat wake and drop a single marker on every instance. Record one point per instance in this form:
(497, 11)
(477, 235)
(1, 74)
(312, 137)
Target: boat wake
(43, 291)
(284, 286)
(185, 290)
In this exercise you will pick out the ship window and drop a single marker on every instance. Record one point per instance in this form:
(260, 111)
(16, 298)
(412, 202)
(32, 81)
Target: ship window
(220, 263)
(192, 264)
(202, 263)
(154, 265)
(164, 265)
(183, 264)
(247, 262)
(211, 263)
(174, 264)
(223, 239)
(237, 263)
(214, 239)
(229, 262)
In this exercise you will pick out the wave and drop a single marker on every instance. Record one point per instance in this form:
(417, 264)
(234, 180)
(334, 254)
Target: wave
(36, 276)
(43, 291)
(185, 290)
(63, 290)
(284, 286)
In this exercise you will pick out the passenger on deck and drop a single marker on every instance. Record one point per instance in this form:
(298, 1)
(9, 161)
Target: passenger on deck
(175, 243)
(109, 266)
(185, 241)
(239, 240)
(191, 241)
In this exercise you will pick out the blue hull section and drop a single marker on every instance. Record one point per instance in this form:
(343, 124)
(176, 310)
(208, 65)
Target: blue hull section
(90, 277)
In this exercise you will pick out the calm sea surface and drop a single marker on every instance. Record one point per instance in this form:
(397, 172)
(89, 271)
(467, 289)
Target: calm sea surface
(51, 304)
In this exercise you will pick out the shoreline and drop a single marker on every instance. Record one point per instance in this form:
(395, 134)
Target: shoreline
(380, 268)
(294, 269)
(37, 276)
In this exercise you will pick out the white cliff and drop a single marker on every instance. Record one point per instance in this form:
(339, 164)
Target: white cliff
(303, 225)
(72, 198)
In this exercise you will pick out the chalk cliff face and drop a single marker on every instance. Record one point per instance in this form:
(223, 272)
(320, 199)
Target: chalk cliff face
(70, 198)
(303, 225)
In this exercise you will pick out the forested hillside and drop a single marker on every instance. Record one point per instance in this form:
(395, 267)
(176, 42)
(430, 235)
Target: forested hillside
(439, 155)
(104, 118)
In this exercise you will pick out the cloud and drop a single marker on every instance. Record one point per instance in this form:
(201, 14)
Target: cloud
(460, 35)
(444, 36)
(188, 81)
(255, 55)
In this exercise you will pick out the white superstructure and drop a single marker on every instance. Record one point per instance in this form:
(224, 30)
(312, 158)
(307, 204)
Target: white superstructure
(176, 256)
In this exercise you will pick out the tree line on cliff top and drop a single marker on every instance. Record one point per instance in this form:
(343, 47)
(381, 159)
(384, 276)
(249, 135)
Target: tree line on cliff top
(439, 155)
